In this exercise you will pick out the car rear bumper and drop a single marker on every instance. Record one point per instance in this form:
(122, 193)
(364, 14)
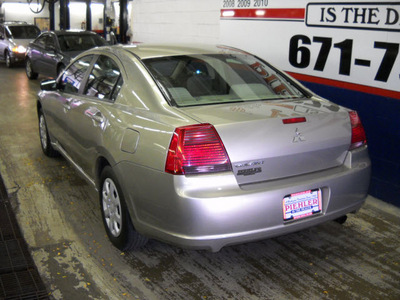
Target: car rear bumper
(212, 211)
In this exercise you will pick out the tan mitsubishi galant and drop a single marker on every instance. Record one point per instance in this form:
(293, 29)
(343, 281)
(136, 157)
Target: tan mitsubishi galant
(202, 147)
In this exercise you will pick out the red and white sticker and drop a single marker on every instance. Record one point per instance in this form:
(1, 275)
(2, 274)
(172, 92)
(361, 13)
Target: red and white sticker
(302, 204)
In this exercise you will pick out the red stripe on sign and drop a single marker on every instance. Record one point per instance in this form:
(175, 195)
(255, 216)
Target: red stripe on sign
(347, 85)
(267, 13)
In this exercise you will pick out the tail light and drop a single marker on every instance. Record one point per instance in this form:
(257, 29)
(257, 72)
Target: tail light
(196, 149)
(294, 120)
(358, 137)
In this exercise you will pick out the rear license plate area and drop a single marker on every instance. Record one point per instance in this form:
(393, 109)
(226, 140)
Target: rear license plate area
(302, 204)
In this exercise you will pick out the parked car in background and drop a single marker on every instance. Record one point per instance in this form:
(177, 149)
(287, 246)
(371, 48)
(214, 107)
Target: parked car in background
(201, 146)
(14, 38)
(52, 51)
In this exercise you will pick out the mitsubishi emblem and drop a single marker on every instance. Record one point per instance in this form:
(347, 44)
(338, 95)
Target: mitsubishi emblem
(298, 136)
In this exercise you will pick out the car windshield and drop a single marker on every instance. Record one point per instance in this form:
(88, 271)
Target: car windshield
(219, 78)
(24, 32)
(80, 42)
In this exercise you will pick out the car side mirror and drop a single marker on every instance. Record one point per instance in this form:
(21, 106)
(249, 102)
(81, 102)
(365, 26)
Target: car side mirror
(48, 85)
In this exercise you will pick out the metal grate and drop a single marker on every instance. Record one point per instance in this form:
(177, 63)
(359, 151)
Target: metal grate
(14, 256)
(19, 278)
(22, 285)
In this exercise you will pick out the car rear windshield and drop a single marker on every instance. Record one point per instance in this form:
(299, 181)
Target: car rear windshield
(219, 78)
(24, 32)
(80, 42)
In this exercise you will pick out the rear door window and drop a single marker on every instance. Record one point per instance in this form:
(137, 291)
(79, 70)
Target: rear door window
(104, 80)
(73, 76)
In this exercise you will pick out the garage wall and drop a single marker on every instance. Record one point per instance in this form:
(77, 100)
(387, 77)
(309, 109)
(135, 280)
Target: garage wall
(21, 12)
(77, 12)
(186, 21)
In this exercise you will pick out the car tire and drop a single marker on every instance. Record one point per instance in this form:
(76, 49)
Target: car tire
(115, 215)
(8, 59)
(47, 148)
(29, 70)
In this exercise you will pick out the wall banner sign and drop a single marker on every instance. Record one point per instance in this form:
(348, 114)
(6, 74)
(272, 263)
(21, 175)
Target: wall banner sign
(383, 16)
(354, 45)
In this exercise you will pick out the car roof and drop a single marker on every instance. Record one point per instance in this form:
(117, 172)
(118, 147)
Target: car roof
(16, 23)
(145, 51)
(68, 32)
(71, 32)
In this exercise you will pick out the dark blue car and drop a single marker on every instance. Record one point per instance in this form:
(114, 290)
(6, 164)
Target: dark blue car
(52, 51)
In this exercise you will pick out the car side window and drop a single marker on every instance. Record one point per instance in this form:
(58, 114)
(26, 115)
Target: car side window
(117, 88)
(104, 80)
(49, 42)
(1, 32)
(72, 77)
(41, 41)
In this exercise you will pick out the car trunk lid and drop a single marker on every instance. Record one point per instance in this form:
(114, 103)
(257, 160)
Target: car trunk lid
(262, 147)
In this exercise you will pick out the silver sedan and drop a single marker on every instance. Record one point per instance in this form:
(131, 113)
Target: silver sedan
(202, 147)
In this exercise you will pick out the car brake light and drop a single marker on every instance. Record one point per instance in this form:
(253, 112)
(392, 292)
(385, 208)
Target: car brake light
(294, 120)
(196, 149)
(358, 137)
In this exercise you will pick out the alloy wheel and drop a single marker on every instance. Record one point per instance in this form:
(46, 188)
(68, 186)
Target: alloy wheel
(43, 132)
(112, 207)
(8, 60)
(29, 68)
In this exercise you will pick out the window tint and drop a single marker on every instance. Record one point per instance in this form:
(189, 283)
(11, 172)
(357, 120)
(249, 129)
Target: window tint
(105, 79)
(24, 32)
(80, 42)
(41, 41)
(72, 77)
(49, 41)
(117, 88)
(219, 78)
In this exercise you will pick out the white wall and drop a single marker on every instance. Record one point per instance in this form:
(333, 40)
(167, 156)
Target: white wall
(186, 21)
(77, 11)
(21, 12)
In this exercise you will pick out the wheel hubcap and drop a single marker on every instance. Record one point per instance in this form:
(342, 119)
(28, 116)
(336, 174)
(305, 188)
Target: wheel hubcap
(43, 132)
(28, 68)
(111, 207)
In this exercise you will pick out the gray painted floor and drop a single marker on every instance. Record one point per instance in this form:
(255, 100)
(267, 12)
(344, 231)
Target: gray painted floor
(60, 220)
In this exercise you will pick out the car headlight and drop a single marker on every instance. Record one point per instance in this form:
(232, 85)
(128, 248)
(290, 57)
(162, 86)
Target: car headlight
(19, 49)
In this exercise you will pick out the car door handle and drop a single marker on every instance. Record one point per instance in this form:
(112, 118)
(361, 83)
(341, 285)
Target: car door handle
(67, 103)
(95, 115)
(98, 117)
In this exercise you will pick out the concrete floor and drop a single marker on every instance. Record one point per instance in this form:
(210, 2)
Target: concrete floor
(60, 219)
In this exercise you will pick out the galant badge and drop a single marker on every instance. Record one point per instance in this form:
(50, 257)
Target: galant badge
(298, 136)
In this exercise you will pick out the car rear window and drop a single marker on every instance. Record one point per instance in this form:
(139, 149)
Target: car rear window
(219, 78)
(80, 42)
